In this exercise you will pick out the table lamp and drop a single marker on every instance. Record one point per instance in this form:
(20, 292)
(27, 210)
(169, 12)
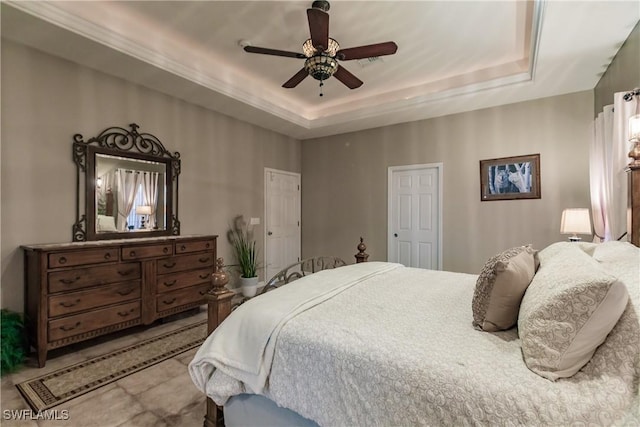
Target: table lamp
(575, 221)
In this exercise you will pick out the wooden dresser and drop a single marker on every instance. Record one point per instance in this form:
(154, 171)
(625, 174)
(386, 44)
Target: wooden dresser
(77, 291)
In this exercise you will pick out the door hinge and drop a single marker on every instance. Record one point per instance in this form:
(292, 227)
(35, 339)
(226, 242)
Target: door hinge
(298, 187)
(298, 223)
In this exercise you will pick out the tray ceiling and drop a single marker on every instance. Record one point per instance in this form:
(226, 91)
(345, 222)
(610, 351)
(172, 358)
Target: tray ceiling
(453, 56)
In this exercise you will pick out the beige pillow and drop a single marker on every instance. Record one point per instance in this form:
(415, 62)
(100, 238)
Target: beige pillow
(500, 288)
(567, 312)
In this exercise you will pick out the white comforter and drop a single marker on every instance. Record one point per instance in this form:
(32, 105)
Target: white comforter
(399, 349)
(243, 345)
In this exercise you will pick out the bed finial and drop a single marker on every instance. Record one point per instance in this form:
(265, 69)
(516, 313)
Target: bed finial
(219, 278)
(361, 256)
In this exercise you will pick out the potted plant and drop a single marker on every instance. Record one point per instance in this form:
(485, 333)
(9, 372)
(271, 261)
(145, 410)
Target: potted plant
(12, 341)
(246, 253)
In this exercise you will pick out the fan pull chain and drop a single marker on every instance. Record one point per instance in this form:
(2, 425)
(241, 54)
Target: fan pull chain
(321, 84)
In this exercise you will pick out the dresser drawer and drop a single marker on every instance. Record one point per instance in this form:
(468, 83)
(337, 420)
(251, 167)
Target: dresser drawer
(194, 246)
(170, 282)
(74, 302)
(88, 256)
(67, 280)
(81, 323)
(147, 251)
(185, 262)
(181, 297)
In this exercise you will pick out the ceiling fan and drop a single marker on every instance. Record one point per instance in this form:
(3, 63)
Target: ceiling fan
(322, 53)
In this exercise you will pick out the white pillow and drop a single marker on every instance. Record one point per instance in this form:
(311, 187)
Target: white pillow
(554, 248)
(106, 223)
(567, 311)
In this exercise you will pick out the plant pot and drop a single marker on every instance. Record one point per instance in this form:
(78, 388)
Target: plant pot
(249, 286)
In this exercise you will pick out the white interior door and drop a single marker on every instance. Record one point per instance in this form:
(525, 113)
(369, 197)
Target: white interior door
(415, 216)
(282, 220)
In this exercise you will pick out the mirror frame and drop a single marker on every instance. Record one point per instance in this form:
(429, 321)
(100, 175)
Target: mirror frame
(117, 141)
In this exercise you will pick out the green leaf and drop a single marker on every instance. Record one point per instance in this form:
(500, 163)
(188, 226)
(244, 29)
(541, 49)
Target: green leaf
(12, 341)
(245, 250)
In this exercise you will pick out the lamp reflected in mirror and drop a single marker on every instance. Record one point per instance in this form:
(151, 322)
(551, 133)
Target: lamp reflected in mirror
(144, 211)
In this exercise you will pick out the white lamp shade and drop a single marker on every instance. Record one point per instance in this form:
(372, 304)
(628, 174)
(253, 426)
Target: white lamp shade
(143, 210)
(634, 128)
(575, 221)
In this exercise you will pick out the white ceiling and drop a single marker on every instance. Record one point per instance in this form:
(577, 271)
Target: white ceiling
(453, 56)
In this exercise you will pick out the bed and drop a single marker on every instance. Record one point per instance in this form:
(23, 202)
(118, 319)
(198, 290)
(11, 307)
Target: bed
(382, 344)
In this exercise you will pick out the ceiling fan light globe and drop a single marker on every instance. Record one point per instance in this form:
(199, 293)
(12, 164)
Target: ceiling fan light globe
(333, 48)
(321, 67)
(309, 50)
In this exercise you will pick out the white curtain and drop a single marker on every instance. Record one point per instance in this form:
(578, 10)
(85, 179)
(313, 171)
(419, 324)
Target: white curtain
(150, 192)
(107, 183)
(128, 182)
(607, 162)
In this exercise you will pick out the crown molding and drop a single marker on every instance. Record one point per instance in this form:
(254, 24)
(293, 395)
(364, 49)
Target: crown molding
(54, 13)
(393, 106)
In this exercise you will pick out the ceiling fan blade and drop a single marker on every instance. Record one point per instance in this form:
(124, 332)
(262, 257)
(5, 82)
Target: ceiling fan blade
(369, 51)
(275, 52)
(347, 78)
(296, 79)
(319, 28)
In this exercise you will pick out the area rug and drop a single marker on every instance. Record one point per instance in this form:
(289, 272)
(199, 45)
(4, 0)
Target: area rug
(68, 383)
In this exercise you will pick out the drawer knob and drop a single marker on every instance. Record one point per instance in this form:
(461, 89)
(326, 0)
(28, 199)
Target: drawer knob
(127, 292)
(204, 276)
(126, 272)
(171, 283)
(69, 304)
(70, 328)
(203, 292)
(208, 245)
(132, 253)
(165, 250)
(204, 259)
(107, 256)
(70, 281)
(171, 301)
(62, 260)
(125, 313)
(169, 265)
(183, 247)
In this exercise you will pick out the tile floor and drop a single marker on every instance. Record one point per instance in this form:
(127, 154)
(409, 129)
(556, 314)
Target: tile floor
(159, 396)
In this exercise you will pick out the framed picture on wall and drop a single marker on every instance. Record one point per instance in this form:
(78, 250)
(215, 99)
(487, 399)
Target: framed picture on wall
(510, 178)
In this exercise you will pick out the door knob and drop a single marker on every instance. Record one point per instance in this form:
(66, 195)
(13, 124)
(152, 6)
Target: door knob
(269, 233)
(395, 234)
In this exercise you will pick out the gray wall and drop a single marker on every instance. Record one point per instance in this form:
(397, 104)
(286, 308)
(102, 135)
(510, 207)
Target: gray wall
(46, 100)
(623, 73)
(344, 179)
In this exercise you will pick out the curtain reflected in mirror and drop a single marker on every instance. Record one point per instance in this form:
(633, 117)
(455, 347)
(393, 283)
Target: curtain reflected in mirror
(130, 195)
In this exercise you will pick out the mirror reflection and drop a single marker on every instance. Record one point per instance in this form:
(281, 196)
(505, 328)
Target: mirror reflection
(130, 194)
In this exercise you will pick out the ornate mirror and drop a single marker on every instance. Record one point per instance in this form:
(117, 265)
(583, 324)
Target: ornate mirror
(127, 186)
